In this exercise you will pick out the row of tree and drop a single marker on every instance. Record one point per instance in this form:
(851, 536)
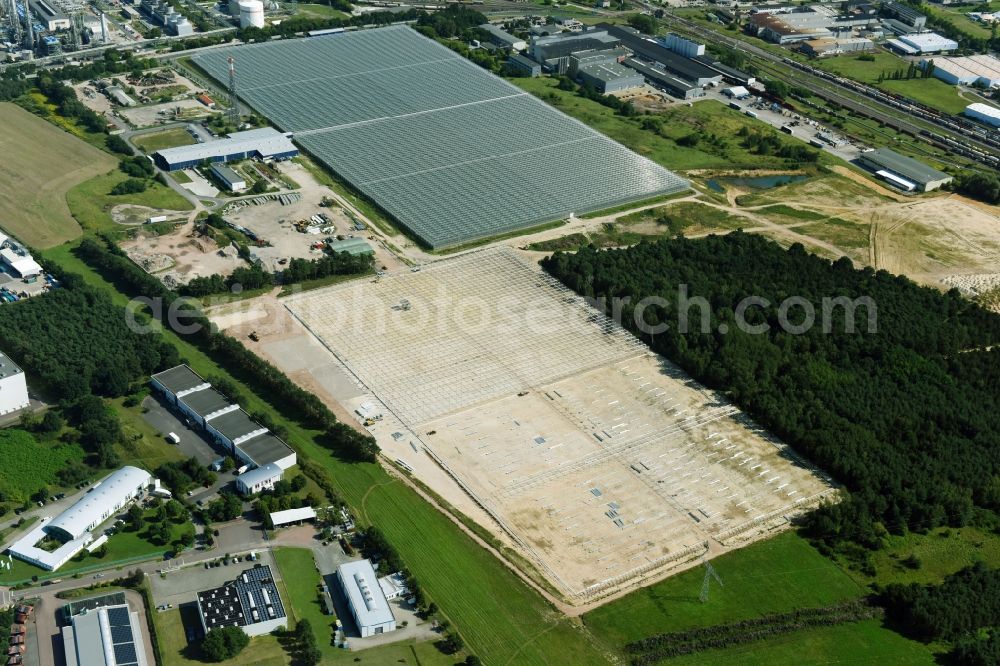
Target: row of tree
(906, 413)
(655, 649)
(268, 381)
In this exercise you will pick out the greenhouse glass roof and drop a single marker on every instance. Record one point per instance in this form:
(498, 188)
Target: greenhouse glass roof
(451, 151)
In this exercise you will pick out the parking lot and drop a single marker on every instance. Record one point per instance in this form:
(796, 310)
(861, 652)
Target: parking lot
(194, 442)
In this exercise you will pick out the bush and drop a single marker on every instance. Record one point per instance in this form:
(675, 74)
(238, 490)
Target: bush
(224, 643)
(130, 186)
(116, 144)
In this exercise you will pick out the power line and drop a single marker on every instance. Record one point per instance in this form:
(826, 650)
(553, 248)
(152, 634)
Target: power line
(710, 573)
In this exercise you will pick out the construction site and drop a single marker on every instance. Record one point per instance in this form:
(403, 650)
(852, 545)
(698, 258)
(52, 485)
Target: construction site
(540, 418)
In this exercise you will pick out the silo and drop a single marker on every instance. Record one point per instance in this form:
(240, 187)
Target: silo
(251, 14)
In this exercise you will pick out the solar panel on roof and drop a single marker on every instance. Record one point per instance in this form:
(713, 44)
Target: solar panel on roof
(451, 151)
(125, 654)
(118, 616)
(121, 633)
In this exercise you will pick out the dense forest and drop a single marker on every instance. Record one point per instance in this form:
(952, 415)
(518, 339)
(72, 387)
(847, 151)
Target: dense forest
(907, 416)
(75, 342)
(964, 610)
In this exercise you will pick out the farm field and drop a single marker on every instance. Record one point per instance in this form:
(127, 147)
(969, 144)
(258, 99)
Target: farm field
(41, 163)
(92, 204)
(315, 10)
(150, 143)
(29, 464)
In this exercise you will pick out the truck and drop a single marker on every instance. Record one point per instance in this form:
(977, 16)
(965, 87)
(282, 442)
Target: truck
(173, 438)
(752, 114)
(242, 469)
(734, 105)
(787, 129)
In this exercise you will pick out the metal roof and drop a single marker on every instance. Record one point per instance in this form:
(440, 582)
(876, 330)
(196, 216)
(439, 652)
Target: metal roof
(106, 636)
(901, 165)
(608, 71)
(180, 378)
(264, 449)
(7, 367)
(97, 504)
(364, 593)
(227, 174)
(351, 245)
(292, 515)
(266, 142)
(451, 151)
(263, 473)
(678, 65)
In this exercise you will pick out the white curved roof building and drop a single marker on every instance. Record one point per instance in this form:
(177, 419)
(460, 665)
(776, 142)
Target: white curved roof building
(101, 502)
(73, 526)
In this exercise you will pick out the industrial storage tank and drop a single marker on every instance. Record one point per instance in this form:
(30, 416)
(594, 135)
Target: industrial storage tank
(251, 14)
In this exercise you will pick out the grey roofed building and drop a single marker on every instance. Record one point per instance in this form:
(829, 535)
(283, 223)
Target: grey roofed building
(907, 15)
(676, 64)
(232, 180)
(250, 602)
(236, 426)
(609, 77)
(205, 403)
(550, 48)
(179, 379)
(263, 143)
(520, 64)
(365, 597)
(661, 79)
(265, 449)
(258, 480)
(501, 37)
(104, 636)
(471, 156)
(924, 177)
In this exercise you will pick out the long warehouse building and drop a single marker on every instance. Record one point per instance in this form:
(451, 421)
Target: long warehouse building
(452, 152)
(263, 143)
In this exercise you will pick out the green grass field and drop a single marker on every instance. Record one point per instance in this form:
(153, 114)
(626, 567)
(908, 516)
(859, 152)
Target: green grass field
(169, 626)
(40, 163)
(855, 643)
(29, 464)
(314, 10)
(777, 575)
(91, 201)
(703, 118)
(301, 580)
(150, 143)
(932, 92)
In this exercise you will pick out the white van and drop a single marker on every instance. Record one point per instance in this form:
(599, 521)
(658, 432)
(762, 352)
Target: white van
(173, 438)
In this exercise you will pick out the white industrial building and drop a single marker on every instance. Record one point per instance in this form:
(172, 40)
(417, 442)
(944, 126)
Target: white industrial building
(290, 516)
(105, 636)
(258, 480)
(684, 47)
(262, 143)
(981, 70)
(984, 113)
(16, 259)
(13, 387)
(72, 528)
(369, 607)
(921, 43)
(233, 181)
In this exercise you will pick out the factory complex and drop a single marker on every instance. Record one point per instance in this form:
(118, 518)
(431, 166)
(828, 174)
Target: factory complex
(227, 425)
(404, 120)
(13, 388)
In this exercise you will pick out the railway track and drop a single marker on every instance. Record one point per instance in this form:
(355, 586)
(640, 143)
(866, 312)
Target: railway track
(903, 114)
